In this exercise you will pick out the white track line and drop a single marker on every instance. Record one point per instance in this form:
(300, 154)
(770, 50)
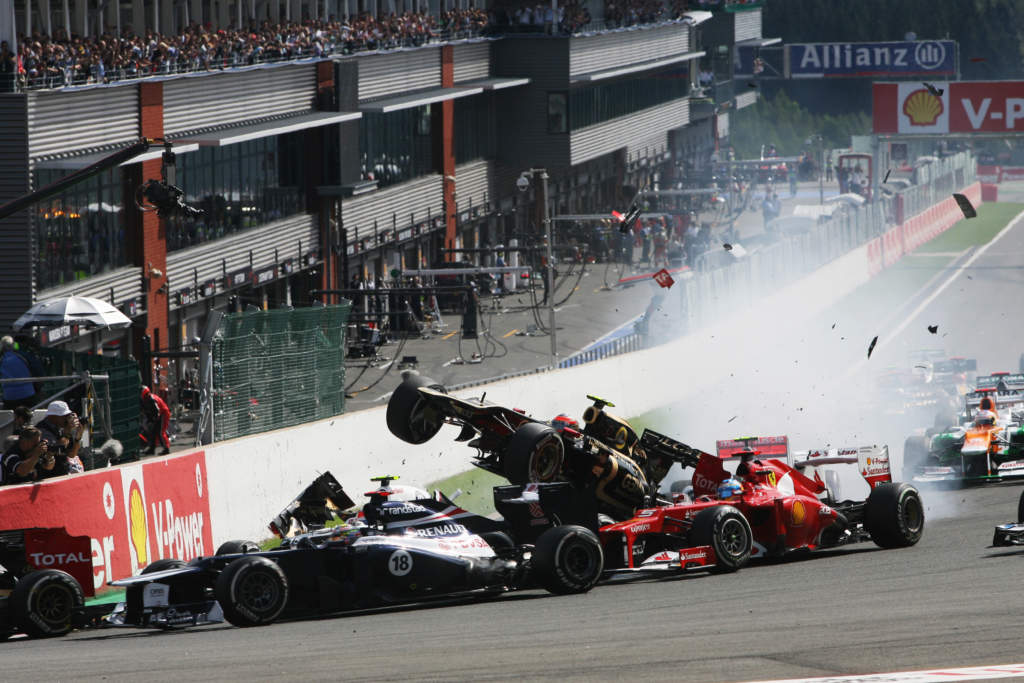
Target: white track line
(973, 673)
(941, 288)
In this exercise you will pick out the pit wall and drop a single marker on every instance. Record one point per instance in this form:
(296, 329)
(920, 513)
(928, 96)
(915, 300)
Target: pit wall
(186, 504)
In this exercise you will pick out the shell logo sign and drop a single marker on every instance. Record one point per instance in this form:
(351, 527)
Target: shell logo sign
(922, 108)
(137, 527)
(798, 513)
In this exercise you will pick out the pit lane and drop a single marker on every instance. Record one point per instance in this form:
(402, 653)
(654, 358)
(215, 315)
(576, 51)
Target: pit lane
(949, 601)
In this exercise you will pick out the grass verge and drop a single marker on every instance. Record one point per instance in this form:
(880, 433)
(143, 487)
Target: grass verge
(976, 231)
(476, 485)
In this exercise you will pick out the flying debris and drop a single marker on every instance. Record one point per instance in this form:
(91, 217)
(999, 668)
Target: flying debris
(965, 206)
(733, 418)
(934, 329)
(833, 326)
(933, 90)
(727, 246)
(886, 178)
(751, 84)
(871, 346)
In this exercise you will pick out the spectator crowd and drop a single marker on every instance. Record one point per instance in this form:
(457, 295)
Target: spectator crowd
(61, 60)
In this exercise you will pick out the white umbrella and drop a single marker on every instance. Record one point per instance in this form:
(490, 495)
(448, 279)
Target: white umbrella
(73, 309)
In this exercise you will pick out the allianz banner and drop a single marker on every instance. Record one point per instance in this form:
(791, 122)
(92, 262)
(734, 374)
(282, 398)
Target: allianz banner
(919, 58)
(957, 107)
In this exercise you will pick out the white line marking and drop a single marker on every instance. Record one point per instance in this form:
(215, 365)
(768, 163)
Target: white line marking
(891, 334)
(973, 673)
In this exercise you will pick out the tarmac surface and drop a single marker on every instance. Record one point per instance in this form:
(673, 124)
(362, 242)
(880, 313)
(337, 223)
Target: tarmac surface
(949, 601)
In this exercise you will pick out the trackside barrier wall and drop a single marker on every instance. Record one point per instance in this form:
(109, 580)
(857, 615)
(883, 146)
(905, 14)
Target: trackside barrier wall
(185, 504)
(134, 514)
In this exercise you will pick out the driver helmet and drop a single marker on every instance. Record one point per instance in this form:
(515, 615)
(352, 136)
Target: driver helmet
(729, 488)
(563, 421)
(984, 418)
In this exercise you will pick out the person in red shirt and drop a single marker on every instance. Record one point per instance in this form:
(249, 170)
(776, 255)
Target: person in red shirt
(156, 418)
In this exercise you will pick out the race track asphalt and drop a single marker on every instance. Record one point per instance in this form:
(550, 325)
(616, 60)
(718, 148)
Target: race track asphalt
(949, 601)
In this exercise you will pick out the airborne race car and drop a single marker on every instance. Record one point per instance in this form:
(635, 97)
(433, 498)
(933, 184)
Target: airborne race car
(983, 447)
(625, 470)
(349, 567)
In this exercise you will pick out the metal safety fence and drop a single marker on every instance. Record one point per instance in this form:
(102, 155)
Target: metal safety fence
(278, 368)
(613, 347)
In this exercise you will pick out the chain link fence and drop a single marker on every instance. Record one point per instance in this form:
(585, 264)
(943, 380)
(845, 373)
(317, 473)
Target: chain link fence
(278, 368)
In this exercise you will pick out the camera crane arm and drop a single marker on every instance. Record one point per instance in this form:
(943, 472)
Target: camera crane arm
(119, 157)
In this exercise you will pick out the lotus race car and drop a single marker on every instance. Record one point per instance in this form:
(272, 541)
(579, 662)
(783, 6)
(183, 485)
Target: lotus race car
(607, 452)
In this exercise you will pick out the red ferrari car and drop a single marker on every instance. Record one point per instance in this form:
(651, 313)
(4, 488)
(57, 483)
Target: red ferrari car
(774, 508)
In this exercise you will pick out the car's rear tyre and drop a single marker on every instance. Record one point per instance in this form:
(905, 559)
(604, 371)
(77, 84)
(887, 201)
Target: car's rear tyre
(410, 416)
(1020, 508)
(535, 454)
(567, 559)
(727, 531)
(236, 547)
(252, 591)
(894, 515)
(43, 603)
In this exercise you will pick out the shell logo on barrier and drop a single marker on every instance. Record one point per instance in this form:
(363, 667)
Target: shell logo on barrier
(798, 513)
(922, 108)
(137, 527)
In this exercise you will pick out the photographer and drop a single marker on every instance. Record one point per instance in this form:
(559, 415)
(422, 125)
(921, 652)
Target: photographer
(63, 433)
(28, 459)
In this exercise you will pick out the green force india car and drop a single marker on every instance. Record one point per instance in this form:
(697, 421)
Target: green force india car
(986, 445)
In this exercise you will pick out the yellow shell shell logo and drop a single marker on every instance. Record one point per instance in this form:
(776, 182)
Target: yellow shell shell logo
(922, 108)
(798, 513)
(137, 524)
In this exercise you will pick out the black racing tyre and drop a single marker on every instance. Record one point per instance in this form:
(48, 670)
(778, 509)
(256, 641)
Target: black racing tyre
(43, 603)
(727, 531)
(252, 591)
(161, 565)
(499, 541)
(410, 416)
(894, 515)
(567, 559)
(535, 454)
(915, 455)
(1020, 508)
(237, 547)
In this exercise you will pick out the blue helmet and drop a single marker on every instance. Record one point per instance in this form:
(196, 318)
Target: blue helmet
(729, 488)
